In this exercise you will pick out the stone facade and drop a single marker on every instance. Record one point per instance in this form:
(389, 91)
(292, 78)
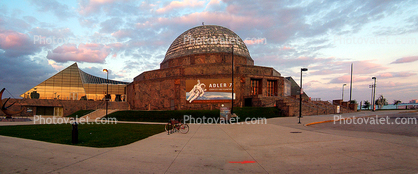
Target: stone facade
(186, 59)
(165, 89)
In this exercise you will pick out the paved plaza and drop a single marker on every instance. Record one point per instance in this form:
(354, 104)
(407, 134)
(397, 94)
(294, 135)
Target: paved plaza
(281, 146)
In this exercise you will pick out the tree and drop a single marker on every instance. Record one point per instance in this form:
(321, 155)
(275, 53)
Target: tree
(381, 101)
(366, 104)
(396, 102)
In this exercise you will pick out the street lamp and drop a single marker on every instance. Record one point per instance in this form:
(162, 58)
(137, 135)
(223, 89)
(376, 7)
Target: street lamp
(232, 65)
(107, 88)
(371, 96)
(301, 92)
(374, 94)
(342, 94)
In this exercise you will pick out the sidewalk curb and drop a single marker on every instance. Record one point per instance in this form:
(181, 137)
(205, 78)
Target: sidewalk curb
(327, 121)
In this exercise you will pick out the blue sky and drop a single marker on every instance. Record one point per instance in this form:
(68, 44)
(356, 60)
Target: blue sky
(129, 37)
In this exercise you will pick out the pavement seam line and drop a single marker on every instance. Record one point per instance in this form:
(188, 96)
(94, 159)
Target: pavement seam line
(327, 121)
(182, 149)
(244, 150)
(79, 161)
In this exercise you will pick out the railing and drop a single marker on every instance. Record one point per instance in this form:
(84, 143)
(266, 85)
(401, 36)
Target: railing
(316, 99)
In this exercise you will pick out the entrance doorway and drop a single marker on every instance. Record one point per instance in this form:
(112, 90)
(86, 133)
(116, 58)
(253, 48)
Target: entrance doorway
(249, 102)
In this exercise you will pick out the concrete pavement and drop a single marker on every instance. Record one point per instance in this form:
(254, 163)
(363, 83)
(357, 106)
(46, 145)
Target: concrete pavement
(281, 146)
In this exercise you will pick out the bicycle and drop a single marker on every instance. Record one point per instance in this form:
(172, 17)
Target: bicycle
(174, 125)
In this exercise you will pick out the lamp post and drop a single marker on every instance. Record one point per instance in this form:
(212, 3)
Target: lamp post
(301, 92)
(374, 94)
(107, 88)
(371, 96)
(232, 66)
(342, 94)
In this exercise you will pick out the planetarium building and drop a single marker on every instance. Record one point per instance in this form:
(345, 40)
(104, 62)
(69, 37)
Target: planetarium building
(204, 68)
(200, 70)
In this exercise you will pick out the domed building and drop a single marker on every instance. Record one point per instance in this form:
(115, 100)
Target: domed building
(196, 73)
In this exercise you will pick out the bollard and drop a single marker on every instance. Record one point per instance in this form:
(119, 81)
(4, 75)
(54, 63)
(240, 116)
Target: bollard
(75, 133)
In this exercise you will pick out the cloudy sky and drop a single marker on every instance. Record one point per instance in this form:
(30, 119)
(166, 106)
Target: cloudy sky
(40, 38)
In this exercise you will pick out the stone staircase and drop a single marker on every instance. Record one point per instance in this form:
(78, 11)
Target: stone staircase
(290, 107)
(264, 101)
(99, 113)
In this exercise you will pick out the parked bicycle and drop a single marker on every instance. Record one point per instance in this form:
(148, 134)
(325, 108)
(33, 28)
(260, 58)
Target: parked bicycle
(176, 126)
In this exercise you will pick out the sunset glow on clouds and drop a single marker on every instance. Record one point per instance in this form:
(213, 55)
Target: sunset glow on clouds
(129, 37)
(92, 53)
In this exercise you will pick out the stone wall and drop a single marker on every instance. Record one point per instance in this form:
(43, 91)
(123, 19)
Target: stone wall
(165, 89)
(210, 58)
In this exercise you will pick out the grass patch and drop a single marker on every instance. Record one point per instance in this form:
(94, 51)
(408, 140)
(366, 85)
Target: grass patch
(80, 113)
(91, 135)
(164, 116)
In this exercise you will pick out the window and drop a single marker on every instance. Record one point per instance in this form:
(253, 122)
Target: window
(271, 87)
(255, 86)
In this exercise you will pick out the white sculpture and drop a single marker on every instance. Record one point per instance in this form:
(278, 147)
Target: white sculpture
(197, 91)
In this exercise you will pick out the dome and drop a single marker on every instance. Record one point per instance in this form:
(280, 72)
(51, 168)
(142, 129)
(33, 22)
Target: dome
(206, 39)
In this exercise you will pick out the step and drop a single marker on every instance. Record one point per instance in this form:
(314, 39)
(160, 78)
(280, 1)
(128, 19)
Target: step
(99, 113)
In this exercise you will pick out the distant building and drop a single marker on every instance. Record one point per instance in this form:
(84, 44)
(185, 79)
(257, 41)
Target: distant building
(74, 84)
(71, 90)
(414, 101)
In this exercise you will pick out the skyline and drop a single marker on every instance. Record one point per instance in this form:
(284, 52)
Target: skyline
(129, 37)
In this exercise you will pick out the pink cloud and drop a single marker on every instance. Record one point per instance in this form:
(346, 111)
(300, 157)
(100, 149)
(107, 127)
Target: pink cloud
(366, 67)
(143, 25)
(213, 2)
(395, 74)
(122, 33)
(330, 66)
(309, 84)
(234, 21)
(356, 78)
(404, 74)
(55, 65)
(389, 84)
(406, 59)
(287, 48)
(386, 75)
(93, 53)
(255, 41)
(347, 78)
(12, 40)
(180, 4)
(16, 44)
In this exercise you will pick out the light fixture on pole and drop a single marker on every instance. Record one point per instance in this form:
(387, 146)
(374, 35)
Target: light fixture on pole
(374, 93)
(351, 82)
(371, 96)
(342, 93)
(107, 89)
(232, 66)
(301, 93)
